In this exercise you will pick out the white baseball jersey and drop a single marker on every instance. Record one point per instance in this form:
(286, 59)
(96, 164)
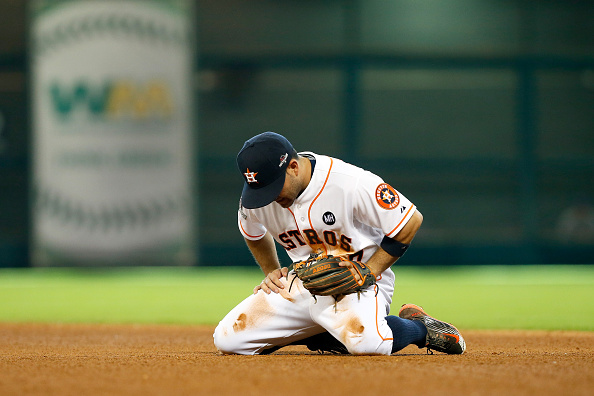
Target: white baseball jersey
(344, 211)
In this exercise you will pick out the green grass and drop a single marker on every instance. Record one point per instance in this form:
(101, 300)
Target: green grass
(481, 297)
(503, 297)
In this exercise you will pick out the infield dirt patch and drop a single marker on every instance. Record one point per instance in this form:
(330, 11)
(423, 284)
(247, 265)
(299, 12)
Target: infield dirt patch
(87, 360)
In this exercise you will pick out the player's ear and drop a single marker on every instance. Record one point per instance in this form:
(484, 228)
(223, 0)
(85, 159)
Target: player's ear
(293, 167)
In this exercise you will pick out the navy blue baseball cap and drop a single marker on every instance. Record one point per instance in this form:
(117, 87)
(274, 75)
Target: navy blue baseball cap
(263, 162)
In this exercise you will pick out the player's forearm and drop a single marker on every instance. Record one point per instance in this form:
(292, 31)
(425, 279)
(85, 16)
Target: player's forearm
(409, 231)
(264, 253)
(381, 259)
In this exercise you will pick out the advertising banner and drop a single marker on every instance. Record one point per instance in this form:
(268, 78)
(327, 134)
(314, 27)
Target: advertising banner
(112, 139)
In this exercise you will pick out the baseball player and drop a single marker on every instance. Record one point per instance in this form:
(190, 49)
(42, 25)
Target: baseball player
(312, 204)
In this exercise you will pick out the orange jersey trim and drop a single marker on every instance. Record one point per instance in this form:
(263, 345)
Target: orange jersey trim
(251, 236)
(376, 316)
(314, 200)
(296, 224)
(398, 225)
(294, 219)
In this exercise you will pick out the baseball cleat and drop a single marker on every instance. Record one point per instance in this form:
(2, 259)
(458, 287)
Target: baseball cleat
(323, 342)
(441, 336)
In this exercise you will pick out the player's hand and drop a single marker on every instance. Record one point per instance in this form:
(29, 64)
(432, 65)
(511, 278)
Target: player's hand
(355, 273)
(273, 282)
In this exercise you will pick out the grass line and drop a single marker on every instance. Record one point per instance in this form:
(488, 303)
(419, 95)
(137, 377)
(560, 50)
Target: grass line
(481, 297)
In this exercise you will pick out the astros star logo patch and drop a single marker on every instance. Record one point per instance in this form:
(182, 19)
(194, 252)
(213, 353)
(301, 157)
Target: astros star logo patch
(251, 176)
(386, 196)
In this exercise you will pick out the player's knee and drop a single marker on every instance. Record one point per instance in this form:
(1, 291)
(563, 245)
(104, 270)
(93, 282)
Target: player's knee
(225, 342)
(366, 351)
(366, 347)
(229, 342)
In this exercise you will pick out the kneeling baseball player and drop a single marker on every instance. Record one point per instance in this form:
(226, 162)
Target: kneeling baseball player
(343, 227)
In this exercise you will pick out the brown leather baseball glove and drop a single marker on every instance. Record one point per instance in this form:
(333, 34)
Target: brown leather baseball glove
(325, 277)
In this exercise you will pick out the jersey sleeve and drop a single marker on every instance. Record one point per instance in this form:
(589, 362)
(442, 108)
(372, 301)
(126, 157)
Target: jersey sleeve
(248, 224)
(380, 205)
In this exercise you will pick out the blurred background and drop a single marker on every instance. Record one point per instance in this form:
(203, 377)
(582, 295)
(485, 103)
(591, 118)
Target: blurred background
(479, 111)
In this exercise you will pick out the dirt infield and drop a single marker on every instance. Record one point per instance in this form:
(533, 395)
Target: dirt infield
(175, 360)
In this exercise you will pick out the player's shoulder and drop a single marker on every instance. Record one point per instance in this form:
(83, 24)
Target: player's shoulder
(334, 165)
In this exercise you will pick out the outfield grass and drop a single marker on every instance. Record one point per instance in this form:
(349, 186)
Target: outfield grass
(481, 297)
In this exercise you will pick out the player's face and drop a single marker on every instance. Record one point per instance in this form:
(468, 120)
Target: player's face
(291, 190)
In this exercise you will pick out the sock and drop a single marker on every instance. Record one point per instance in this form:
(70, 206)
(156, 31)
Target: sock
(406, 332)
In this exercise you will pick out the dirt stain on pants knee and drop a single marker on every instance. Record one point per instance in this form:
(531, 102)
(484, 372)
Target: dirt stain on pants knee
(352, 332)
(240, 323)
(255, 315)
(354, 326)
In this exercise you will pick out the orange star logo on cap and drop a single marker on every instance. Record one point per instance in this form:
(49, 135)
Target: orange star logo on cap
(251, 176)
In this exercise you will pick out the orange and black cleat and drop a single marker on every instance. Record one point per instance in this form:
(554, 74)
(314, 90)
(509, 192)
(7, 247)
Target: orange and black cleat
(441, 336)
